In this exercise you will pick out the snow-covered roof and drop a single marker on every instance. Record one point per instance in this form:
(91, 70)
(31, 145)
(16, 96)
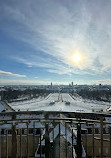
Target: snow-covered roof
(1, 107)
(62, 132)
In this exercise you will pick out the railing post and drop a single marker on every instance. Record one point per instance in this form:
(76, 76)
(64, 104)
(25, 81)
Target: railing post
(110, 140)
(53, 131)
(93, 140)
(34, 139)
(47, 143)
(66, 137)
(101, 135)
(7, 143)
(0, 144)
(72, 143)
(20, 143)
(27, 140)
(86, 142)
(66, 143)
(79, 145)
(59, 140)
(14, 142)
(40, 145)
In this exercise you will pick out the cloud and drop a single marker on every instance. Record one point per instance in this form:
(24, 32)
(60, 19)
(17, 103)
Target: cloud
(58, 29)
(11, 74)
(51, 65)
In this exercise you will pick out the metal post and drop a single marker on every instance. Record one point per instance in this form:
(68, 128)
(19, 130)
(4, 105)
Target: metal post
(46, 141)
(66, 137)
(72, 143)
(93, 140)
(86, 142)
(110, 141)
(7, 143)
(14, 142)
(59, 140)
(34, 139)
(27, 141)
(0, 143)
(40, 145)
(53, 133)
(101, 135)
(20, 143)
(79, 145)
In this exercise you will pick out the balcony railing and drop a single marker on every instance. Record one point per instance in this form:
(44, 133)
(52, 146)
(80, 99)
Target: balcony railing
(54, 135)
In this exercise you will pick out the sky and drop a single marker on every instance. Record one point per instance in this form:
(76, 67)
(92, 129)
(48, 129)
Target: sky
(40, 38)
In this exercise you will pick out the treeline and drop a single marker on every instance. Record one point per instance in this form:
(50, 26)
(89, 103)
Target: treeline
(96, 95)
(11, 94)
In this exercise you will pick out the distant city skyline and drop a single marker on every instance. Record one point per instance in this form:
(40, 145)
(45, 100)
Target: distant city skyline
(58, 41)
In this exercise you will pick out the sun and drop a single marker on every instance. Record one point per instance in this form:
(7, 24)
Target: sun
(76, 57)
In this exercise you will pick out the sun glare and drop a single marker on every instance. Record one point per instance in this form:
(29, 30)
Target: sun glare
(76, 57)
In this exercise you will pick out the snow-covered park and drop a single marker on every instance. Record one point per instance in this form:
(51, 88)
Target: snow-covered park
(60, 102)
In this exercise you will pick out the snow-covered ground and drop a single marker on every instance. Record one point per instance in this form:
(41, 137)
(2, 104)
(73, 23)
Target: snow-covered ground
(57, 102)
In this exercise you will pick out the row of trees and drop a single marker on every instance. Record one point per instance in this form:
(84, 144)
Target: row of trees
(11, 94)
(96, 95)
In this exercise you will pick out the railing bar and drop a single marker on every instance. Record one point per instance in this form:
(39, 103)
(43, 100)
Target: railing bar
(76, 114)
(43, 119)
(59, 119)
(97, 138)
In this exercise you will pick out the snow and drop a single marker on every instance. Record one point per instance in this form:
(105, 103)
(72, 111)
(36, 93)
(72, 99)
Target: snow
(1, 107)
(77, 104)
(62, 132)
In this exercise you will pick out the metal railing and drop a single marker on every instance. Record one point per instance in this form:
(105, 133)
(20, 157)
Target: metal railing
(54, 134)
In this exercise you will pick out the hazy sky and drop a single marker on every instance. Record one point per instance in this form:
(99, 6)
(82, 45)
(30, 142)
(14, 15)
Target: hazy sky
(38, 39)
